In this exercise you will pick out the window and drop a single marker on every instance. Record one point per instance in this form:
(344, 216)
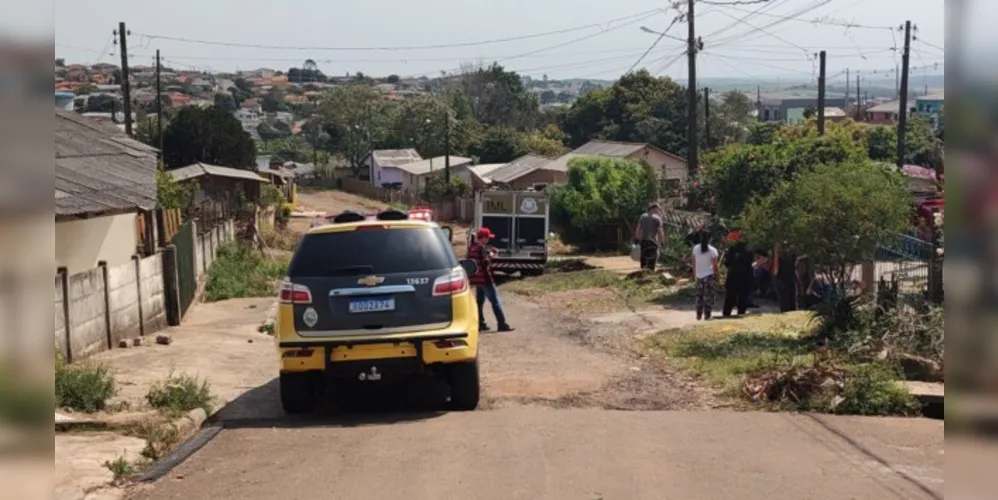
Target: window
(540, 186)
(384, 251)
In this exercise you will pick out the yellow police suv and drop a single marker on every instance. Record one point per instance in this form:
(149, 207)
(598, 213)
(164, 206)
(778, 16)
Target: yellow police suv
(371, 300)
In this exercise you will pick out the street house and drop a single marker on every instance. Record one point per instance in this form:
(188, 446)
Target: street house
(382, 165)
(527, 172)
(220, 183)
(103, 181)
(883, 114)
(670, 168)
(415, 174)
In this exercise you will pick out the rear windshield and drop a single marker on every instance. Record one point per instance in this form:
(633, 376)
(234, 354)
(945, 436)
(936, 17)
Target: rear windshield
(384, 251)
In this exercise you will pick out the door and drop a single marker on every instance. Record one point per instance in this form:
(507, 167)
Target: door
(497, 214)
(530, 227)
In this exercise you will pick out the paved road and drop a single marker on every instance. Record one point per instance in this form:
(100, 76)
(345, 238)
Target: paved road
(554, 425)
(534, 453)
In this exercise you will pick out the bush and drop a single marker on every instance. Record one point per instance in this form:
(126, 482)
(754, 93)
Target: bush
(238, 271)
(86, 387)
(836, 214)
(873, 390)
(600, 193)
(178, 394)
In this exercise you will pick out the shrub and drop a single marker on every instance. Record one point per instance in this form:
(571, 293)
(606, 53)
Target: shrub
(239, 271)
(178, 394)
(121, 469)
(86, 387)
(600, 193)
(873, 390)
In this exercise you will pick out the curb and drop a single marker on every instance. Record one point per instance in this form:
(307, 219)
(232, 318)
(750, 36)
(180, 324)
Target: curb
(190, 422)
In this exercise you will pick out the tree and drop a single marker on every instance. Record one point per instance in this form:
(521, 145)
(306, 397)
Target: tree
(737, 173)
(294, 148)
(172, 194)
(209, 135)
(393, 79)
(273, 101)
(638, 107)
(920, 142)
(270, 132)
(147, 131)
(498, 145)
(834, 214)
(760, 132)
(497, 97)
(357, 119)
(225, 101)
(301, 75)
(881, 143)
(548, 142)
(420, 124)
(60, 62)
(600, 192)
(810, 112)
(548, 97)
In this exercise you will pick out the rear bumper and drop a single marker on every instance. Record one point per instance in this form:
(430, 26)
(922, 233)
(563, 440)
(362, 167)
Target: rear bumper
(391, 356)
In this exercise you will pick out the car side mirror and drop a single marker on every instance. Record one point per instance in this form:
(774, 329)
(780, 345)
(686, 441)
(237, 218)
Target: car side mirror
(470, 266)
(449, 232)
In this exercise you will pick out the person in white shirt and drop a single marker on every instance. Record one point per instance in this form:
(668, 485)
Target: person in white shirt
(705, 268)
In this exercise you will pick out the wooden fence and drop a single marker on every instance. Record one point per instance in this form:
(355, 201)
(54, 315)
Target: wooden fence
(461, 209)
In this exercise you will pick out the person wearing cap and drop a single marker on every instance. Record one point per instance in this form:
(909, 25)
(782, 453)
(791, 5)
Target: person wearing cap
(649, 234)
(484, 281)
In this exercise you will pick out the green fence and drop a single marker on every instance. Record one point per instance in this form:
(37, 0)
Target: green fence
(186, 276)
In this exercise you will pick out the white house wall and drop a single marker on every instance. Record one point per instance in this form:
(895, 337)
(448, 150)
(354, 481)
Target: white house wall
(81, 244)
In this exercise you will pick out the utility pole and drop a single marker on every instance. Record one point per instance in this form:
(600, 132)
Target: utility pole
(896, 82)
(758, 103)
(446, 147)
(126, 91)
(821, 93)
(859, 99)
(692, 161)
(706, 117)
(847, 86)
(903, 111)
(159, 106)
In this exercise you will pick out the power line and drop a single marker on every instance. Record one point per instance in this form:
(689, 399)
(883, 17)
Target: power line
(800, 12)
(745, 17)
(640, 16)
(809, 73)
(934, 46)
(657, 40)
(823, 20)
(764, 31)
(733, 2)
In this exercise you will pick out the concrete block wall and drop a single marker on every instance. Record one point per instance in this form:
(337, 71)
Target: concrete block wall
(95, 309)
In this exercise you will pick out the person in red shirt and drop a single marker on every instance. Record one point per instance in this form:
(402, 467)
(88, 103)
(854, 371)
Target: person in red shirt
(484, 281)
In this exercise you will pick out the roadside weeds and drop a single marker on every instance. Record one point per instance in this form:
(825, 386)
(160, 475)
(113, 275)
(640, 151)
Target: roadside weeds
(772, 362)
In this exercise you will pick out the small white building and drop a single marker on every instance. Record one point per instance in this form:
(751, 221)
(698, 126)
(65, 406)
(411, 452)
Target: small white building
(415, 174)
(382, 165)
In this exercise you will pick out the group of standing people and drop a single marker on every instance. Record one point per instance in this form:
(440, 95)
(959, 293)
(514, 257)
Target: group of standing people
(742, 278)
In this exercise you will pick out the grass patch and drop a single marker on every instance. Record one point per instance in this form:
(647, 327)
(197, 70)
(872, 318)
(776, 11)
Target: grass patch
(238, 271)
(121, 469)
(565, 275)
(86, 387)
(160, 437)
(178, 394)
(772, 361)
(279, 239)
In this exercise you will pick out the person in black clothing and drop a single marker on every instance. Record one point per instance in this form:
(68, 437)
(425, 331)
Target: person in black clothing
(785, 280)
(738, 285)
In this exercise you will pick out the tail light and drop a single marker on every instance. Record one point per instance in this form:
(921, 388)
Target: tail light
(451, 284)
(295, 294)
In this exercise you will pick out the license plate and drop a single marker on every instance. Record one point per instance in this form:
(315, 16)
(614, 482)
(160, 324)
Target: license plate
(372, 305)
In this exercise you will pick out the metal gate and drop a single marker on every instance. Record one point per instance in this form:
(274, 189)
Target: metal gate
(186, 277)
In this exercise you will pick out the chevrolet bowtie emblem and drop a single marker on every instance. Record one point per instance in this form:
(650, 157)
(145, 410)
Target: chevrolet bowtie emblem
(370, 280)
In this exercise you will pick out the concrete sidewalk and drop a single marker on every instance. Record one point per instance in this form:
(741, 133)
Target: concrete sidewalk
(218, 342)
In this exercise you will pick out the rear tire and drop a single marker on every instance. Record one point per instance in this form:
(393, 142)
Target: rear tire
(297, 392)
(464, 385)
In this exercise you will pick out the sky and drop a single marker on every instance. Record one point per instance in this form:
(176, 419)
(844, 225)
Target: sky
(599, 39)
